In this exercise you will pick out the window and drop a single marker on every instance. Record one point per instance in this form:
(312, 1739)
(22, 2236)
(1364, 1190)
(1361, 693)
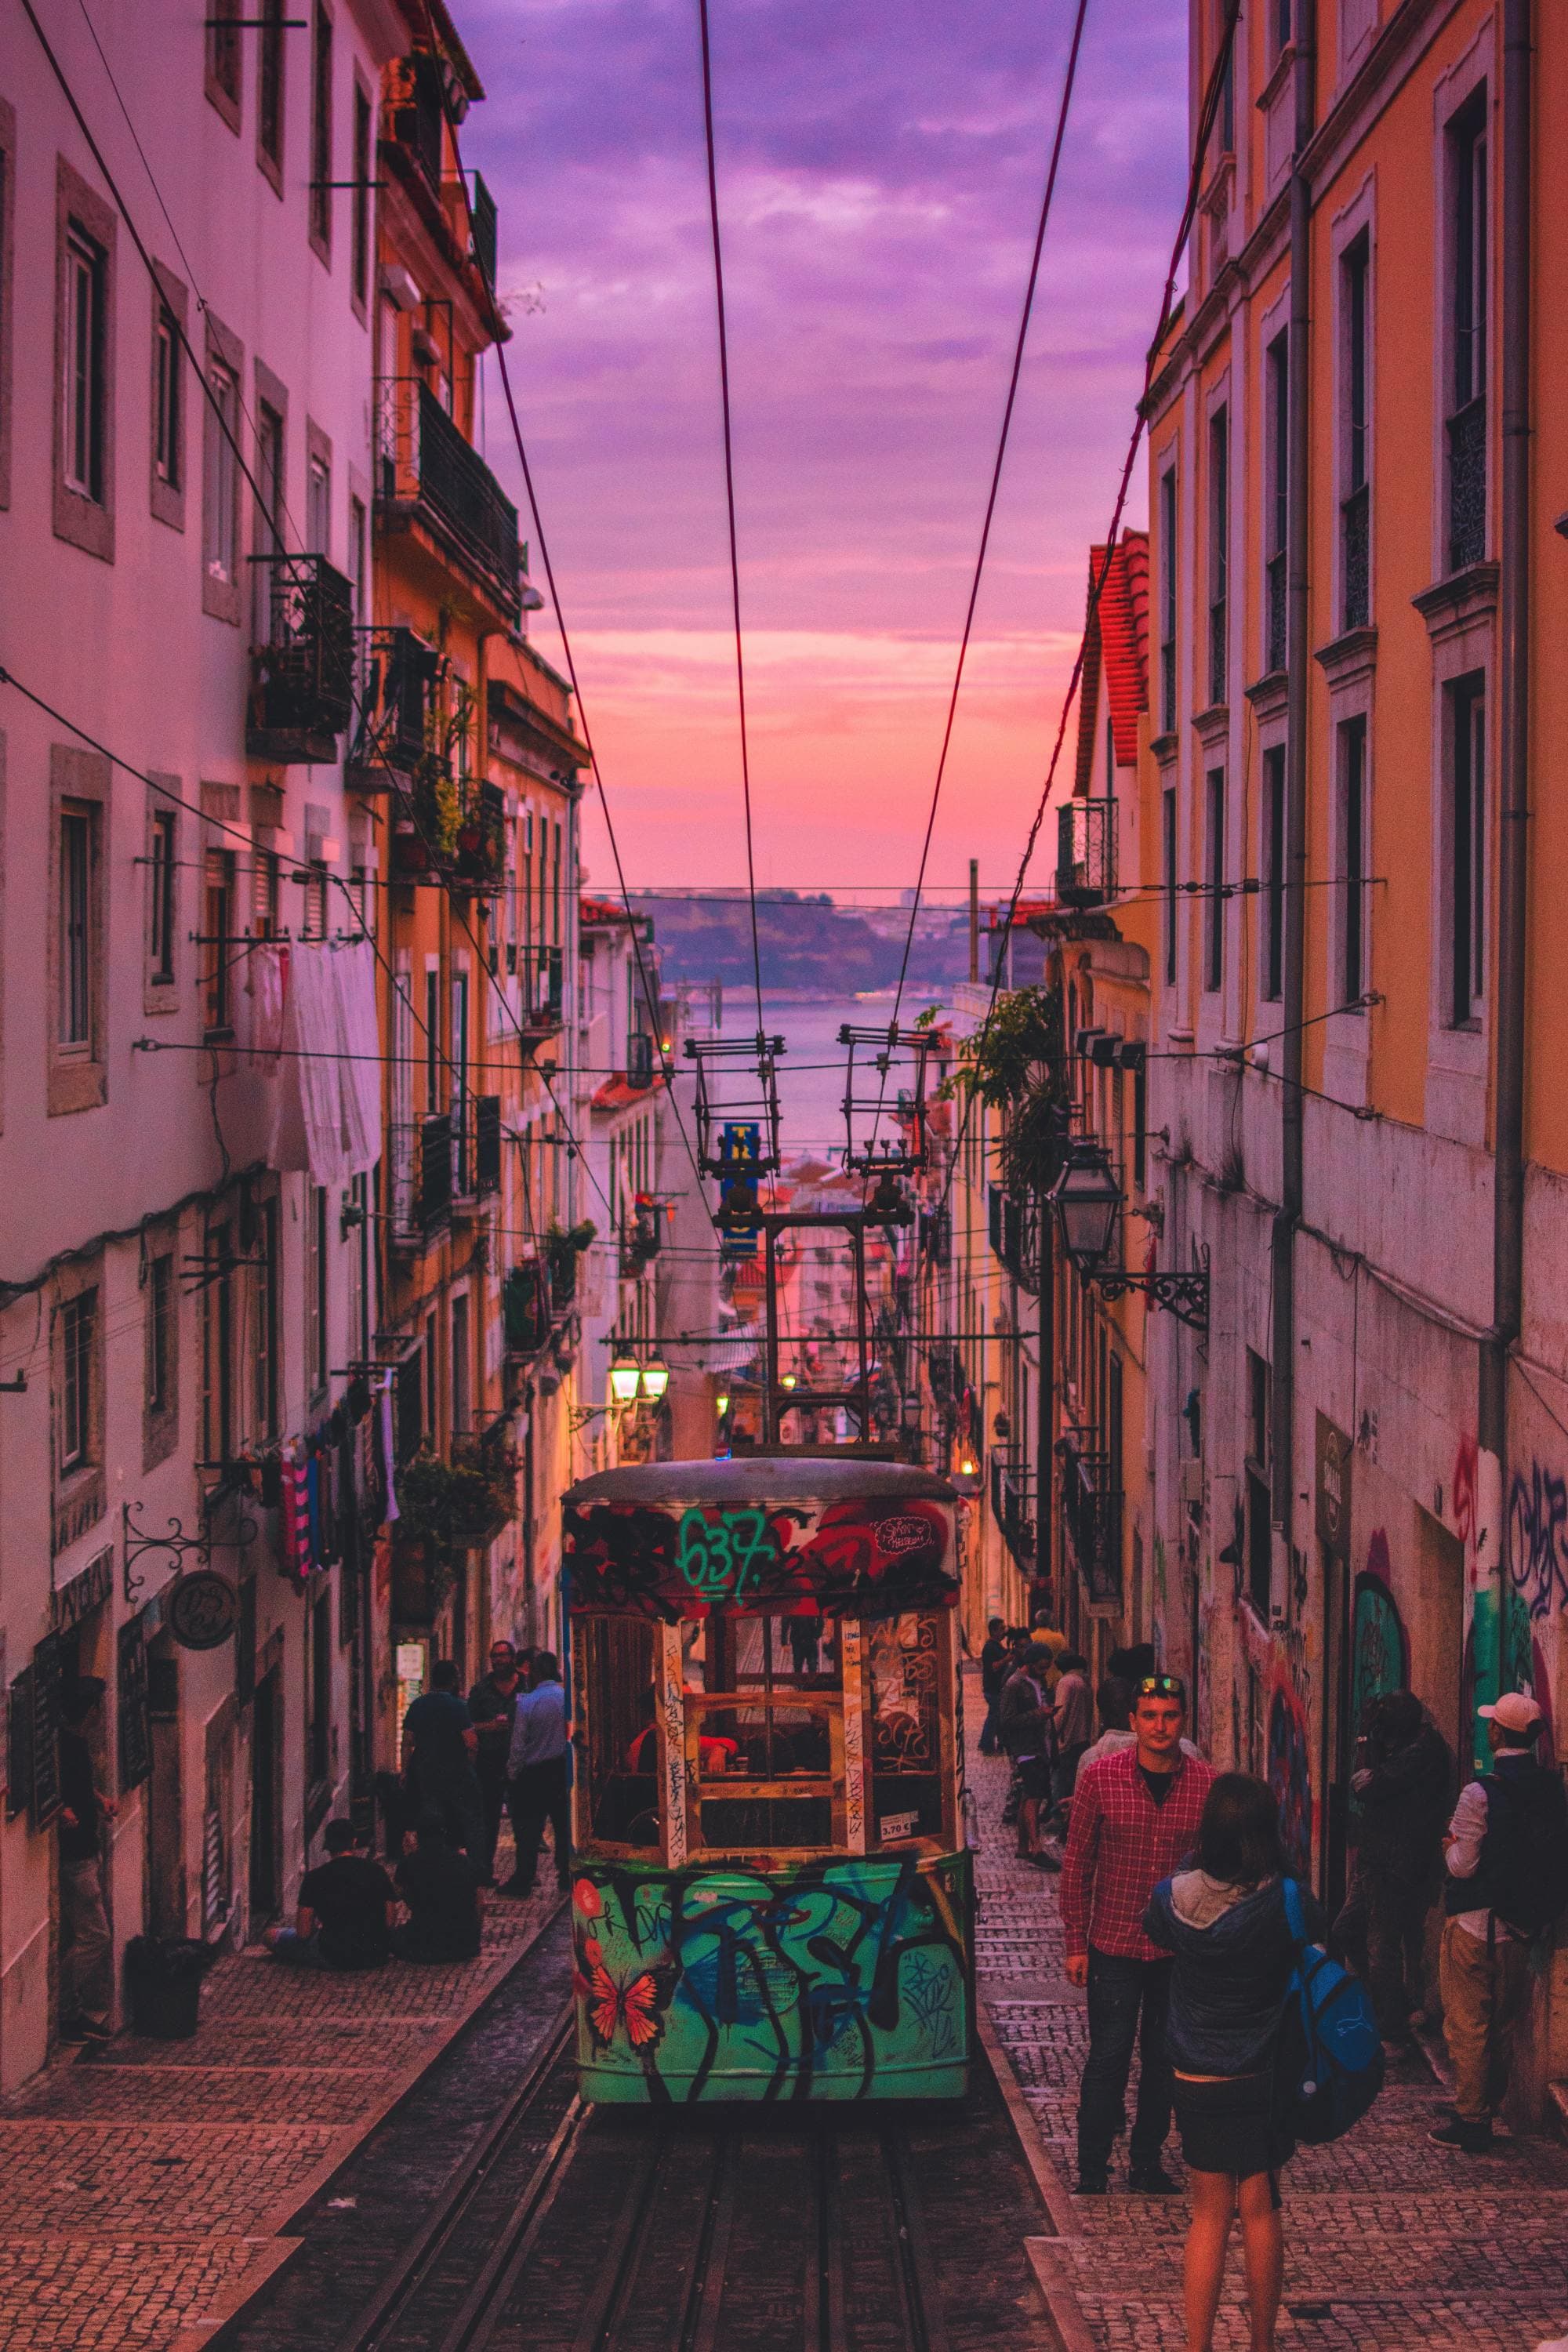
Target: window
(1140, 1126)
(319, 1730)
(1281, 25)
(1353, 847)
(221, 474)
(166, 399)
(316, 1349)
(359, 1263)
(85, 390)
(270, 483)
(763, 1733)
(1466, 421)
(1468, 848)
(1213, 878)
(358, 569)
(618, 1788)
(1219, 550)
(322, 133)
(363, 158)
(79, 1345)
(1168, 862)
(225, 58)
(217, 1344)
(318, 505)
(1168, 600)
(74, 1025)
(217, 942)
(270, 85)
(264, 1339)
(462, 1392)
(1226, 121)
(160, 1331)
(1273, 976)
(1259, 1523)
(432, 1038)
(1355, 516)
(1277, 501)
(264, 894)
(160, 899)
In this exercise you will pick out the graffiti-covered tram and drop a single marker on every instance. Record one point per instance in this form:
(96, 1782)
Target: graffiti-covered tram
(772, 1888)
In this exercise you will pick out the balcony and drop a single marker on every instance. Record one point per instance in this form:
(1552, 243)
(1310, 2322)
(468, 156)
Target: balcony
(539, 971)
(429, 474)
(415, 113)
(476, 1126)
(639, 1059)
(1086, 853)
(1013, 1225)
(1468, 485)
(301, 692)
(421, 1180)
(1012, 1510)
(525, 1305)
(1091, 1516)
(397, 715)
(639, 1240)
(450, 834)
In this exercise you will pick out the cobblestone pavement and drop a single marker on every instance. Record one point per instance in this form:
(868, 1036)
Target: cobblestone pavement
(143, 2185)
(1392, 2245)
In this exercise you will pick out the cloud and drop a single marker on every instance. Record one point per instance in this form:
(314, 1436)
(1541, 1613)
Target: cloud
(880, 169)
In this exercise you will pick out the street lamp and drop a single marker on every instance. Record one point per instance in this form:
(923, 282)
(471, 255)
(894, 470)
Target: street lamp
(722, 1404)
(1087, 1199)
(655, 1379)
(626, 1378)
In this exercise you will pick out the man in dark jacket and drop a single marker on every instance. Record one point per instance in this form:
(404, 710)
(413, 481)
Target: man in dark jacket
(86, 1972)
(994, 1665)
(1507, 1853)
(1403, 1786)
(492, 1703)
(439, 1743)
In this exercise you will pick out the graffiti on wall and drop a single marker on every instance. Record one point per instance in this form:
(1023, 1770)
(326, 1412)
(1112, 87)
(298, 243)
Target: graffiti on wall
(863, 1558)
(1379, 1652)
(1290, 1773)
(1535, 1547)
(844, 1979)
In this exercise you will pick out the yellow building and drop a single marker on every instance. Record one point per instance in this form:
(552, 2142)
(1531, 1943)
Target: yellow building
(1357, 476)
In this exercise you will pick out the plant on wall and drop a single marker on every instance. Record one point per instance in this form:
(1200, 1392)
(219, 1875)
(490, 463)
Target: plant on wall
(1017, 1064)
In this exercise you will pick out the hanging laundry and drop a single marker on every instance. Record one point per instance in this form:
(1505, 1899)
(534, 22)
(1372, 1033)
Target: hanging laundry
(262, 1001)
(328, 1112)
(294, 1523)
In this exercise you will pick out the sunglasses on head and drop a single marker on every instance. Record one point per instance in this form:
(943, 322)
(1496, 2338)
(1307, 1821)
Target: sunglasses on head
(1160, 1686)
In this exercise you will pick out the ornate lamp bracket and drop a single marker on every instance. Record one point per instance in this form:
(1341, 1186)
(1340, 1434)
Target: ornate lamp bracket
(176, 1546)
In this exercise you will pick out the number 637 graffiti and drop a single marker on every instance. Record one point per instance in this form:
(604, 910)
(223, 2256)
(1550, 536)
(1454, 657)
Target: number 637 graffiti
(727, 1554)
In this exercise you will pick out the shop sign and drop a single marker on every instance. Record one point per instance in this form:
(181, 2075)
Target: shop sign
(203, 1610)
(90, 1590)
(1333, 1511)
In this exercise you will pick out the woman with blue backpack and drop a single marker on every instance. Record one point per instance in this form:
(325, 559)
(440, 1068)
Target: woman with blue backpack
(1241, 1931)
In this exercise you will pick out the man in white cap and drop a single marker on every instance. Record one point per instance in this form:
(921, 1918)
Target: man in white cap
(1507, 1853)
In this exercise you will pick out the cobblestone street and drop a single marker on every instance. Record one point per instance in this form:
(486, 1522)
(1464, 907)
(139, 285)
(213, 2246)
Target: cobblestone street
(145, 2184)
(1390, 2245)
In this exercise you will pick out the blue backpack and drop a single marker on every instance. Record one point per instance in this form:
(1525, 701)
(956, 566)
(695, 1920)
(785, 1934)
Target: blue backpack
(1331, 2053)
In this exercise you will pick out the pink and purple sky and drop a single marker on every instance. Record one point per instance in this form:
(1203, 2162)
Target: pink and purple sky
(880, 166)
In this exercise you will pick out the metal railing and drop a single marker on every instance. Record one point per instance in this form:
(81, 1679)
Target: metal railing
(1091, 1516)
(1012, 1226)
(414, 113)
(1011, 1509)
(303, 674)
(399, 674)
(540, 972)
(1468, 484)
(1086, 853)
(421, 1157)
(423, 460)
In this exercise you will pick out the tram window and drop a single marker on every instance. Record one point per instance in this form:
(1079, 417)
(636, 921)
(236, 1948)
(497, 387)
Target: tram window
(754, 1824)
(903, 1742)
(615, 1670)
(764, 1742)
(741, 1646)
(763, 1715)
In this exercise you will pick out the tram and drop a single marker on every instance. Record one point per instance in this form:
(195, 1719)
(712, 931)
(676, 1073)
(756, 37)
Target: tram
(773, 1896)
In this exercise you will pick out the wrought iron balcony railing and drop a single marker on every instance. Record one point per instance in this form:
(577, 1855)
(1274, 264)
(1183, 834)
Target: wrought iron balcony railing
(1012, 1224)
(425, 466)
(1012, 1508)
(1468, 484)
(399, 674)
(449, 834)
(303, 678)
(422, 1156)
(414, 113)
(1086, 853)
(540, 972)
(476, 1126)
(1091, 1514)
(1355, 556)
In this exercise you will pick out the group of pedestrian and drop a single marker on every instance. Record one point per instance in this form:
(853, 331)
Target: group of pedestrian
(1185, 1928)
(1039, 1712)
(502, 1750)
(465, 1762)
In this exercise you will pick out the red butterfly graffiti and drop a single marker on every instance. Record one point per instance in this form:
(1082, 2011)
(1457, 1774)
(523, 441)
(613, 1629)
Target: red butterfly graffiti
(636, 2003)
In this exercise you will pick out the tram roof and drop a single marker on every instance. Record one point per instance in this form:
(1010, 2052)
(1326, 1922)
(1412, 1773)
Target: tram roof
(772, 1477)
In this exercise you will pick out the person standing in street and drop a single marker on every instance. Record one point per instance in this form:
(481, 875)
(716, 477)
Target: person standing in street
(1403, 1786)
(1135, 1817)
(1507, 1852)
(493, 1705)
(538, 1790)
(439, 1743)
(1074, 1727)
(1027, 1724)
(1224, 1921)
(441, 1889)
(993, 1661)
(87, 1980)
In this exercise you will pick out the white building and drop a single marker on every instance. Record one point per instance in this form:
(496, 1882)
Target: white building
(172, 1300)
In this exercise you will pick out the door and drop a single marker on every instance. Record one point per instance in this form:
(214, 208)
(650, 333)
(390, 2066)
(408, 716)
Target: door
(165, 1821)
(265, 1821)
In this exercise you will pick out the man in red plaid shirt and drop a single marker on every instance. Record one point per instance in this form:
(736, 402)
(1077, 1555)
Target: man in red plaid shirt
(1134, 1818)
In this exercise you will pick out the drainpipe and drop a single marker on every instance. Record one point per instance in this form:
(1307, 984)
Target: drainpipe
(1298, 658)
(1514, 839)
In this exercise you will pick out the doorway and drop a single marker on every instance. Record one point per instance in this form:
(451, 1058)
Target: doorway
(266, 1755)
(1338, 1733)
(1437, 1631)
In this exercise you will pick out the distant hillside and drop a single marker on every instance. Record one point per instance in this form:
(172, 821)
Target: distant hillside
(806, 943)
